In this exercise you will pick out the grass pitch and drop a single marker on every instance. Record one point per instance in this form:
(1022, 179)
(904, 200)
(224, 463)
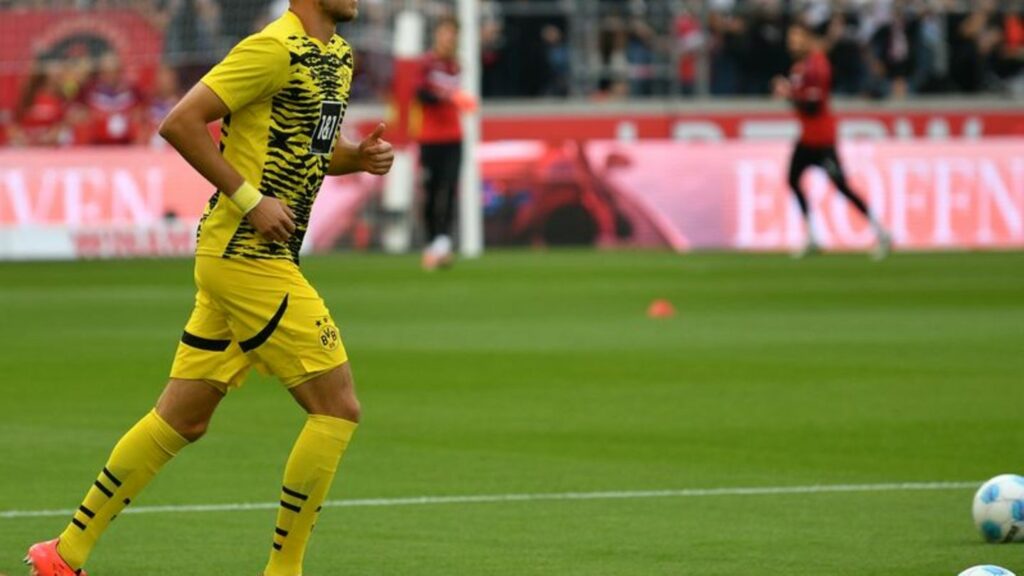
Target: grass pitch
(533, 373)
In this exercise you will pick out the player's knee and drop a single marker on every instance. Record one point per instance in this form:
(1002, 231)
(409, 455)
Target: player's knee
(350, 409)
(192, 430)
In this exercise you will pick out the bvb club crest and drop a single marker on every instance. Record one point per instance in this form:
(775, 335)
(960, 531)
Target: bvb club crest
(329, 338)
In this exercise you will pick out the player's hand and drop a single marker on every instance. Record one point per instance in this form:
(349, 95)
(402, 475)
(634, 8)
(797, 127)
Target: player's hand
(273, 219)
(781, 87)
(464, 101)
(376, 155)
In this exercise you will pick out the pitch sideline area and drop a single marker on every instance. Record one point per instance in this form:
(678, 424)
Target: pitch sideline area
(496, 498)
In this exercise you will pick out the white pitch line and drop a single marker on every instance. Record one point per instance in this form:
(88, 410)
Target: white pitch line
(493, 498)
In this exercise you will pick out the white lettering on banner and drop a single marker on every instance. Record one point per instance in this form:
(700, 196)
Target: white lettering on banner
(937, 129)
(17, 196)
(863, 129)
(902, 129)
(79, 196)
(130, 203)
(77, 208)
(26, 207)
(769, 130)
(900, 171)
(974, 128)
(751, 201)
(949, 197)
(934, 202)
(1010, 209)
(699, 130)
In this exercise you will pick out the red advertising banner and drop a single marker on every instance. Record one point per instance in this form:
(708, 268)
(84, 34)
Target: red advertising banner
(757, 124)
(733, 195)
(930, 195)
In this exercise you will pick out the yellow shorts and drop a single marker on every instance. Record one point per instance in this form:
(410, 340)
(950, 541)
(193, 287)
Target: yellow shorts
(261, 313)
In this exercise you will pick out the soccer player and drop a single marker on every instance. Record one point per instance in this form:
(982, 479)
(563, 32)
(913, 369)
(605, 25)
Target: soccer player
(439, 132)
(809, 88)
(282, 94)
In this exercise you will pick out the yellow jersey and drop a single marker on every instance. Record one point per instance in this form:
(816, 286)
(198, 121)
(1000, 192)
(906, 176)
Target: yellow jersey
(287, 93)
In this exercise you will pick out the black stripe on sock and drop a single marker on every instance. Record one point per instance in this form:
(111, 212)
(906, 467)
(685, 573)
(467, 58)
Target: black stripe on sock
(277, 546)
(258, 340)
(112, 478)
(295, 494)
(280, 532)
(103, 488)
(78, 524)
(87, 512)
(291, 507)
(201, 343)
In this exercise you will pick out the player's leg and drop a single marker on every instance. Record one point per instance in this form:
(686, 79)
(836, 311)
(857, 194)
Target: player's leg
(205, 365)
(834, 168)
(451, 164)
(802, 159)
(299, 343)
(333, 414)
(432, 167)
(181, 416)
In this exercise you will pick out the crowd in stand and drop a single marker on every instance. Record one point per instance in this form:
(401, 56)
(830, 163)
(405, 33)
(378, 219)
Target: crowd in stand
(879, 48)
(539, 48)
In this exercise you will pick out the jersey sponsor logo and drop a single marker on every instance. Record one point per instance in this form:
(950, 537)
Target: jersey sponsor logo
(322, 141)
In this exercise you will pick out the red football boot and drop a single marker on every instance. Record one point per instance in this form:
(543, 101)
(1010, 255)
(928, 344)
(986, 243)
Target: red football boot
(44, 560)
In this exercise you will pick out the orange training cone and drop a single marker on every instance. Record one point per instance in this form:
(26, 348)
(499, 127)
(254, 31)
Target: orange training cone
(661, 308)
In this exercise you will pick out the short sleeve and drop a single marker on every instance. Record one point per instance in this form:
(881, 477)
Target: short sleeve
(255, 69)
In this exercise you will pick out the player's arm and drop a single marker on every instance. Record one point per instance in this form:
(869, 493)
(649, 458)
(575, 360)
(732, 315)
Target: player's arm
(250, 72)
(373, 155)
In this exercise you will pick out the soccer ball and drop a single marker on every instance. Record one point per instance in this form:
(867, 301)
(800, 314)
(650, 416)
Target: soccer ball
(986, 571)
(999, 509)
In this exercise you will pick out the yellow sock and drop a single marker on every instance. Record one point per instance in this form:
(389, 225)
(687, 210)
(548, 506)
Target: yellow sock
(307, 477)
(136, 458)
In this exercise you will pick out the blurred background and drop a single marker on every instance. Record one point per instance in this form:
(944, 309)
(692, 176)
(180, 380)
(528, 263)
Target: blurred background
(591, 114)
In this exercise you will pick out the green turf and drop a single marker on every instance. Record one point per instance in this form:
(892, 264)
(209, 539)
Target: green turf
(538, 373)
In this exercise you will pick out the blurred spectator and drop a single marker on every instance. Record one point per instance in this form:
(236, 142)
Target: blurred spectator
(975, 42)
(613, 58)
(492, 45)
(845, 55)
(524, 53)
(40, 117)
(642, 47)
(558, 61)
(166, 93)
(537, 48)
(728, 31)
(690, 41)
(765, 54)
(1011, 53)
(931, 60)
(111, 106)
(892, 57)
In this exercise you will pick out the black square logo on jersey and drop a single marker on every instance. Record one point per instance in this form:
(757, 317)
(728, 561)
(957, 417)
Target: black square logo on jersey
(327, 128)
